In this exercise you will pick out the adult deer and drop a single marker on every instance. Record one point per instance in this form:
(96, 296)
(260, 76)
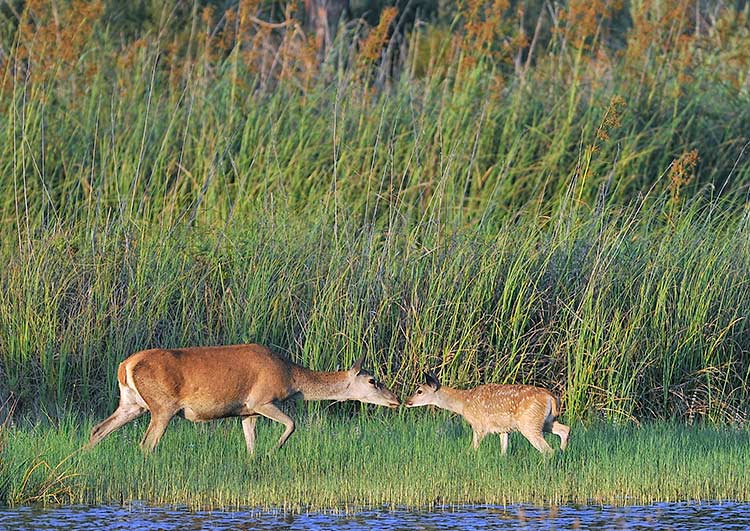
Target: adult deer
(493, 408)
(247, 381)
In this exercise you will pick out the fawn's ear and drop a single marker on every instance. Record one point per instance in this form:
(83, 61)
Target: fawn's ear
(358, 364)
(431, 380)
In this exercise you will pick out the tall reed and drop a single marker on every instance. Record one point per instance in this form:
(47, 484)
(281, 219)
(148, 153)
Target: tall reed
(576, 221)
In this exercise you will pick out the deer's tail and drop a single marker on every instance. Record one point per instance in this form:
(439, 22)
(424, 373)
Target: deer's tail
(555, 406)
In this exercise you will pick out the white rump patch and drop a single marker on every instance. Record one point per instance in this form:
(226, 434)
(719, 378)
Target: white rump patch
(129, 391)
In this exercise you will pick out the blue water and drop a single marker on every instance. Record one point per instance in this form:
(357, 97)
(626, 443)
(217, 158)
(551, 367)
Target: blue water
(666, 516)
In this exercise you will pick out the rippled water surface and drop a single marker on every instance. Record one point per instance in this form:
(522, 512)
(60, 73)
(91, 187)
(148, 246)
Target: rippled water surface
(724, 516)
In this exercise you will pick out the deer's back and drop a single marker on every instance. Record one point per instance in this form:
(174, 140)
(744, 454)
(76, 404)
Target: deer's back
(209, 382)
(504, 408)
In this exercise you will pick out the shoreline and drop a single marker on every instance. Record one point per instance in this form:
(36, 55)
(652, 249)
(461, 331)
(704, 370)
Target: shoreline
(409, 461)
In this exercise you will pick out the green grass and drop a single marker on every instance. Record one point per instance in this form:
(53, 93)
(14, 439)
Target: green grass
(491, 226)
(623, 316)
(405, 459)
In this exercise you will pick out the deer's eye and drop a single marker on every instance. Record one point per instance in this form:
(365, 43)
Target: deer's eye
(372, 381)
(419, 391)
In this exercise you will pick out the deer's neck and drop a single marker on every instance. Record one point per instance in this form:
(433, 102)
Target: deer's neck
(452, 399)
(320, 385)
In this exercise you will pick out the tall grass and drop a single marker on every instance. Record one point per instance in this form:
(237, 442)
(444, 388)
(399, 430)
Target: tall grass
(623, 319)
(548, 224)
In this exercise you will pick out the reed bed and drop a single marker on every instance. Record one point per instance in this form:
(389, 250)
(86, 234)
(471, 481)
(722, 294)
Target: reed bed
(624, 317)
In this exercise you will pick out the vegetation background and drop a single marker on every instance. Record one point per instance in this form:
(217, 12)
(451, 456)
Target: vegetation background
(546, 192)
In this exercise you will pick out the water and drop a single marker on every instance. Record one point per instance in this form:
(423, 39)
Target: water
(666, 516)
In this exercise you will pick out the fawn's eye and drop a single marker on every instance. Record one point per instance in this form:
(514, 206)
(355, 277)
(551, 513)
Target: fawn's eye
(419, 391)
(372, 381)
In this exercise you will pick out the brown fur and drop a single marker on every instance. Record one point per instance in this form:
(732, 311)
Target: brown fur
(205, 383)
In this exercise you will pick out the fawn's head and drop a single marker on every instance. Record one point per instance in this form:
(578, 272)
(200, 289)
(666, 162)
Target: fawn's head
(426, 393)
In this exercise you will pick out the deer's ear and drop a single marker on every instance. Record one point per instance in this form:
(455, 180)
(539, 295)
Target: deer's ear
(358, 364)
(431, 380)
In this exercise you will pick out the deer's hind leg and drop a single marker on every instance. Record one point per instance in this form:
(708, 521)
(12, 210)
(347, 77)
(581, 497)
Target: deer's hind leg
(537, 441)
(157, 390)
(156, 428)
(562, 431)
(127, 410)
(534, 433)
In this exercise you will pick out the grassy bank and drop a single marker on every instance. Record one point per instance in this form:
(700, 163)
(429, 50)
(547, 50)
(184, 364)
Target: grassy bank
(404, 459)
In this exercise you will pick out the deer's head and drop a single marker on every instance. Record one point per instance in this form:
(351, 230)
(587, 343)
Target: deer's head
(426, 393)
(363, 386)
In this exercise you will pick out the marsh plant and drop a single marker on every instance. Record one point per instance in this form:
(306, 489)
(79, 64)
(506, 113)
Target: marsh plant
(556, 196)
